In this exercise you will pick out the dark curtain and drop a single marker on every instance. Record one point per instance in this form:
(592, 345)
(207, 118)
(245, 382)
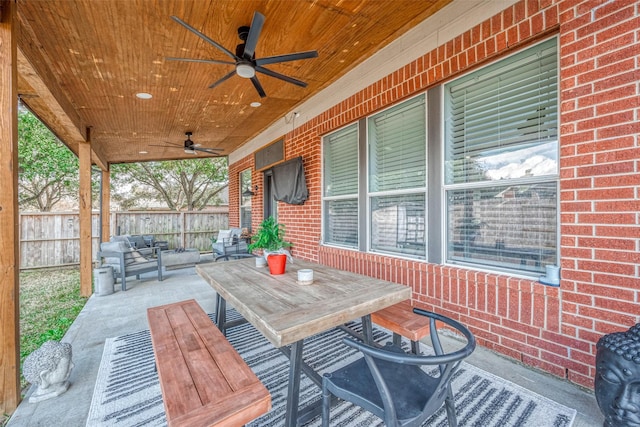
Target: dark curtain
(289, 184)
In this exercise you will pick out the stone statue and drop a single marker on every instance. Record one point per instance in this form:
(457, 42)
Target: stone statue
(48, 368)
(617, 383)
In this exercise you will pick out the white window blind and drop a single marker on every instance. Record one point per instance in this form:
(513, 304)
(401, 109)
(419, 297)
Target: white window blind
(397, 147)
(508, 107)
(501, 162)
(340, 193)
(397, 179)
(341, 162)
(245, 200)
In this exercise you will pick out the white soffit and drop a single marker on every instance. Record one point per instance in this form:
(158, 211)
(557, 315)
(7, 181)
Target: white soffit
(451, 21)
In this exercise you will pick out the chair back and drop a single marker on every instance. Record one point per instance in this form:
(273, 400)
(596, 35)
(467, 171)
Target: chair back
(380, 362)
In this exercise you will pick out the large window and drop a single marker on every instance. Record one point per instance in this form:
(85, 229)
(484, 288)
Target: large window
(397, 179)
(340, 163)
(245, 199)
(472, 181)
(501, 163)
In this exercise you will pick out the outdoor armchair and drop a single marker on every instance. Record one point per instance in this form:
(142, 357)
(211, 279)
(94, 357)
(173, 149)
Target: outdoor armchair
(402, 389)
(127, 262)
(229, 243)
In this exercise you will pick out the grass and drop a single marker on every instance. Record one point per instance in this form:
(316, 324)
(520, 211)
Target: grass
(49, 303)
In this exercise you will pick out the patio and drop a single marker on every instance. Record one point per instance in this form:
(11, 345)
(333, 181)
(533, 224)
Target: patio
(122, 313)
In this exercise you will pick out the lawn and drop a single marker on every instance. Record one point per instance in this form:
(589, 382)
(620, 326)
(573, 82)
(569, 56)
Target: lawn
(49, 303)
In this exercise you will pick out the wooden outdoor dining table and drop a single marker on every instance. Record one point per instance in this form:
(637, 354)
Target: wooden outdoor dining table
(286, 312)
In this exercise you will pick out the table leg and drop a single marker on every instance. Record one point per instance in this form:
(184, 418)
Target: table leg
(367, 329)
(293, 392)
(221, 314)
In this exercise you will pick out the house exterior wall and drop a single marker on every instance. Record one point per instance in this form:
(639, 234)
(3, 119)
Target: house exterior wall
(553, 329)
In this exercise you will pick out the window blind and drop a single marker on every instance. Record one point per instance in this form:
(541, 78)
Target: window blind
(507, 107)
(341, 162)
(501, 136)
(397, 147)
(340, 204)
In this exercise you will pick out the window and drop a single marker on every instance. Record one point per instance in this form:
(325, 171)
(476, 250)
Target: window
(245, 199)
(340, 198)
(397, 179)
(501, 163)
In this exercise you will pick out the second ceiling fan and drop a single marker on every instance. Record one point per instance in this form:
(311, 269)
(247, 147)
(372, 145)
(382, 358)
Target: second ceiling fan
(191, 147)
(244, 60)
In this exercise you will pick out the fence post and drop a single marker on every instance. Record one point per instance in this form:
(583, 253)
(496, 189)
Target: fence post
(183, 225)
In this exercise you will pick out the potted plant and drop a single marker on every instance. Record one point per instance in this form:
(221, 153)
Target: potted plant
(270, 238)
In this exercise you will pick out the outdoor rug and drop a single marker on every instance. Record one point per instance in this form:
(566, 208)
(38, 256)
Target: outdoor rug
(127, 392)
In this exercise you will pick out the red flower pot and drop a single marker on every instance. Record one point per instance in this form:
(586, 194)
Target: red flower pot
(277, 263)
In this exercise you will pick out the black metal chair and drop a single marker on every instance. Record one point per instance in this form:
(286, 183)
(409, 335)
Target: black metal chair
(392, 384)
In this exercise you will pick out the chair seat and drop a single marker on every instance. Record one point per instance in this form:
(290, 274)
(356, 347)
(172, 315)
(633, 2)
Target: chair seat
(409, 386)
(402, 389)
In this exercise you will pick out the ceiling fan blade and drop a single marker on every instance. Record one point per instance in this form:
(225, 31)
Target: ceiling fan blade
(170, 144)
(281, 76)
(286, 58)
(254, 34)
(204, 37)
(208, 150)
(227, 77)
(207, 61)
(258, 86)
(201, 148)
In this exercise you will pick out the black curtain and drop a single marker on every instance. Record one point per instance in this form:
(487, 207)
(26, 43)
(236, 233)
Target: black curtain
(289, 184)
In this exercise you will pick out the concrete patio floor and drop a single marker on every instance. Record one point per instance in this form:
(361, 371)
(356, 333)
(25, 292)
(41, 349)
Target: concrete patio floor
(126, 312)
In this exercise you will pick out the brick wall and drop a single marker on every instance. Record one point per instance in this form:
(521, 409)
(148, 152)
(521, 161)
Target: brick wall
(548, 328)
(599, 54)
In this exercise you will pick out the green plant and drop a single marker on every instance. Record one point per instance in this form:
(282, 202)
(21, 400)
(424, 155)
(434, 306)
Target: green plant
(269, 237)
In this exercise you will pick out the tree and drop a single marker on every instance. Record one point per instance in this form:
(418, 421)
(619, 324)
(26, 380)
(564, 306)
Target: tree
(181, 184)
(47, 169)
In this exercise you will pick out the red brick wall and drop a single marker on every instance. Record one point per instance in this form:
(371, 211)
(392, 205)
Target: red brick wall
(548, 328)
(599, 54)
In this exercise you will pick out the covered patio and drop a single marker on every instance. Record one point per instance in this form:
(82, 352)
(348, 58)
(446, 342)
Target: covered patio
(125, 312)
(468, 214)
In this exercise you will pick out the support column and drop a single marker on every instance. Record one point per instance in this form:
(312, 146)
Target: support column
(9, 244)
(105, 214)
(86, 252)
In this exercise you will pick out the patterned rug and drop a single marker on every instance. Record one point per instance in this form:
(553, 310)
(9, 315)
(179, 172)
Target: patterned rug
(127, 391)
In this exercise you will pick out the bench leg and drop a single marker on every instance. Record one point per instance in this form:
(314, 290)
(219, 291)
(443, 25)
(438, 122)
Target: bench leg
(397, 339)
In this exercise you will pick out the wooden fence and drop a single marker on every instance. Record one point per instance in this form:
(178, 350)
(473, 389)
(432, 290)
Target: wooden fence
(49, 239)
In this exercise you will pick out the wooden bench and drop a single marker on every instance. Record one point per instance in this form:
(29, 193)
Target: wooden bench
(204, 380)
(402, 321)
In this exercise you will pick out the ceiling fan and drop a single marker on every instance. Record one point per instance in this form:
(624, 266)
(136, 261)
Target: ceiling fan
(244, 60)
(191, 147)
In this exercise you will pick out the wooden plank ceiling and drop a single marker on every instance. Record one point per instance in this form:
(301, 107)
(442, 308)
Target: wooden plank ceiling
(81, 63)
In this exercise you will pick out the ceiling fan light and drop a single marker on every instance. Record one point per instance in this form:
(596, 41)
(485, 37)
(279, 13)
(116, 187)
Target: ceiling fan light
(245, 70)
